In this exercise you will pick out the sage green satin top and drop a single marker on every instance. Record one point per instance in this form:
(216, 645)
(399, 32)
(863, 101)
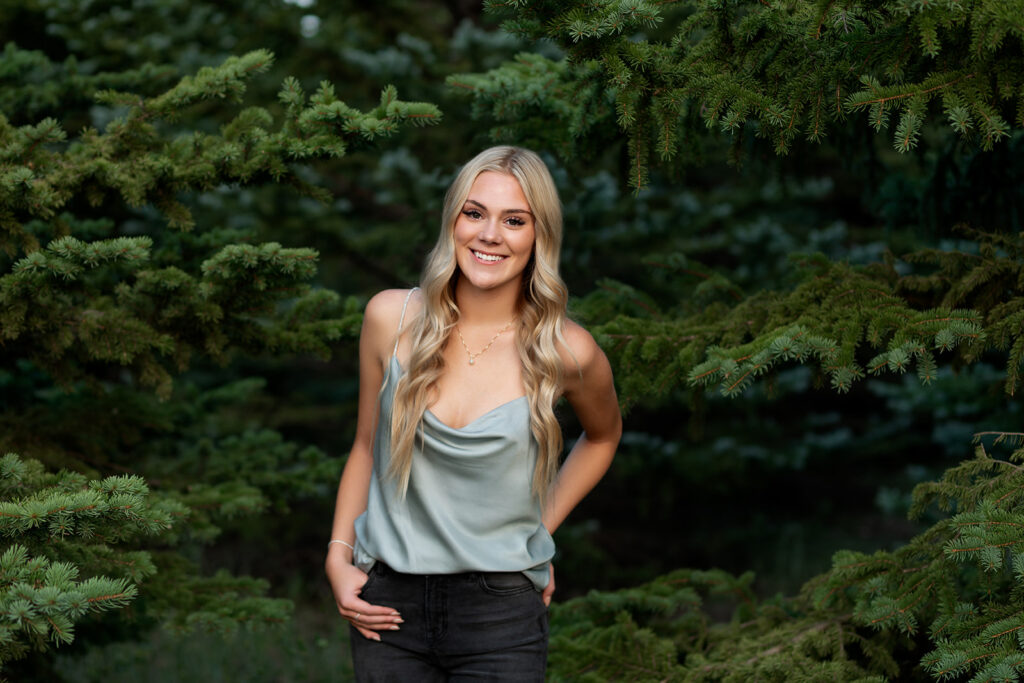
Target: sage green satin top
(469, 506)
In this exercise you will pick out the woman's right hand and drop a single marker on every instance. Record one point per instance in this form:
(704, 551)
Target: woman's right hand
(347, 582)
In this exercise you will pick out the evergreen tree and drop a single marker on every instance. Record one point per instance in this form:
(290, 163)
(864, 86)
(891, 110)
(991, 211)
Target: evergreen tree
(107, 308)
(780, 70)
(944, 607)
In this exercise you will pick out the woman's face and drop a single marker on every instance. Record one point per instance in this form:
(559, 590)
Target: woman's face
(494, 233)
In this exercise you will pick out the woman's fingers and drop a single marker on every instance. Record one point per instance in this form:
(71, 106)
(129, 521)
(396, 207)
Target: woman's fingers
(368, 626)
(379, 622)
(368, 634)
(549, 589)
(367, 618)
(352, 605)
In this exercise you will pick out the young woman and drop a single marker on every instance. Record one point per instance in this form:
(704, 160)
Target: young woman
(441, 545)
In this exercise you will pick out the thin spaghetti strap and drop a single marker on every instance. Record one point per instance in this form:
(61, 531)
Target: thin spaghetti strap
(401, 319)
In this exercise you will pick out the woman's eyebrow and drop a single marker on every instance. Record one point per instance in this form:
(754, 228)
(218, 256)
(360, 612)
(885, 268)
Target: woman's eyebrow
(507, 211)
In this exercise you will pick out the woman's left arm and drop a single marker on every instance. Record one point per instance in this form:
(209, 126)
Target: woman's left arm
(591, 393)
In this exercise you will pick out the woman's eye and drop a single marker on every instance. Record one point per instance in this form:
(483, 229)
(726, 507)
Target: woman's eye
(516, 222)
(472, 213)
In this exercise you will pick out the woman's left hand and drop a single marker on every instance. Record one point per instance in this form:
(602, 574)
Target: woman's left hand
(549, 589)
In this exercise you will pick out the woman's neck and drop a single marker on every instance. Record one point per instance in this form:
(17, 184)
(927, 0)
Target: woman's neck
(487, 306)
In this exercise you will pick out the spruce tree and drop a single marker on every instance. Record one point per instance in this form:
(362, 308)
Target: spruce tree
(770, 68)
(946, 606)
(101, 311)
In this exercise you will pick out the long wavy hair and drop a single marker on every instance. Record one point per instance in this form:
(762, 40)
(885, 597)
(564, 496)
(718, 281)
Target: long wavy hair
(542, 314)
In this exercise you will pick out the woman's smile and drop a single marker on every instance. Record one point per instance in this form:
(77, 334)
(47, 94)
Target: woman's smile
(488, 258)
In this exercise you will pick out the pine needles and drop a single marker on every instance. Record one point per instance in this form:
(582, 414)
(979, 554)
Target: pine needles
(776, 70)
(954, 594)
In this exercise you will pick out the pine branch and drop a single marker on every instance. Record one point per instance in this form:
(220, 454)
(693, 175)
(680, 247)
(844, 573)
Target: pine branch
(849, 623)
(33, 86)
(55, 307)
(754, 65)
(848, 323)
(62, 526)
(132, 159)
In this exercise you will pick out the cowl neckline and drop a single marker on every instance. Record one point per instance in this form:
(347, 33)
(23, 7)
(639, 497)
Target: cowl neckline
(429, 415)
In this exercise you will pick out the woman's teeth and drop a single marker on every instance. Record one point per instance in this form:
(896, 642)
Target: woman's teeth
(487, 257)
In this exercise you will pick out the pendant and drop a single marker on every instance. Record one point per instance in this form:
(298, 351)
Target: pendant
(471, 361)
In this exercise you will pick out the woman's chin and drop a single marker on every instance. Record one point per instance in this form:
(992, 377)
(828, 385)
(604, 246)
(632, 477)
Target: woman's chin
(490, 284)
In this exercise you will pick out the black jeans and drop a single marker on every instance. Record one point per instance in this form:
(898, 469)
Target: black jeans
(477, 626)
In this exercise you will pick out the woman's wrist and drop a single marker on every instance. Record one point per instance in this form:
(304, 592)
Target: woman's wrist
(344, 543)
(344, 548)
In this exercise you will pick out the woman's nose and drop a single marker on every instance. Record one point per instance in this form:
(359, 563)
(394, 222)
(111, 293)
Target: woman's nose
(490, 232)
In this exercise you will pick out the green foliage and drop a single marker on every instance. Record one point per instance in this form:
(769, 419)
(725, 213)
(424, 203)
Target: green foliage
(61, 526)
(58, 527)
(992, 281)
(32, 85)
(665, 630)
(781, 70)
(598, 637)
(133, 159)
(112, 286)
(836, 315)
(166, 311)
(953, 593)
(303, 650)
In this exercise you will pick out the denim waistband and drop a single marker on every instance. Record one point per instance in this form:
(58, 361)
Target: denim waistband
(382, 569)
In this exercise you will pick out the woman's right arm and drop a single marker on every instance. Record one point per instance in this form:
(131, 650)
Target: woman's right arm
(380, 320)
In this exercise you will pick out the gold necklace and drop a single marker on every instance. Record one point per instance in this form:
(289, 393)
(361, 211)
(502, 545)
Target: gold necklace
(474, 356)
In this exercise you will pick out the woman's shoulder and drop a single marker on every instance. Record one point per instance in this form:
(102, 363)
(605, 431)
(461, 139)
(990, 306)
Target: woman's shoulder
(582, 349)
(386, 306)
(383, 313)
(588, 375)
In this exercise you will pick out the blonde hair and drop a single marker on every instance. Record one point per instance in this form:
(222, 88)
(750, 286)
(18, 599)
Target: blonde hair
(542, 315)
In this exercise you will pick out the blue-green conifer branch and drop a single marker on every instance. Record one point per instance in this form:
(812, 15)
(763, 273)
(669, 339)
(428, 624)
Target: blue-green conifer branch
(50, 304)
(58, 527)
(847, 322)
(33, 85)
(778, 69)
(951, 599)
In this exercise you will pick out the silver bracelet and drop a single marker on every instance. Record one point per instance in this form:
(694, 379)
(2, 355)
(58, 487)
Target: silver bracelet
(344, 543)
